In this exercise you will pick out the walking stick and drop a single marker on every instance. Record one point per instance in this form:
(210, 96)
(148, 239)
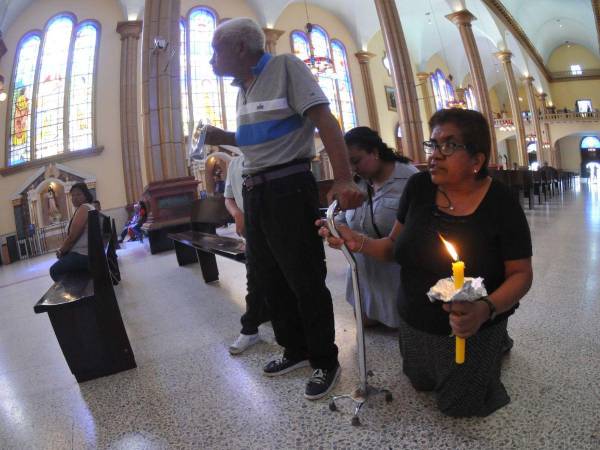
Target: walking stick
(361, 394)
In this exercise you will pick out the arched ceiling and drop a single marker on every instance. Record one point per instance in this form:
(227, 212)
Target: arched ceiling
(547, 24)
(550, 23)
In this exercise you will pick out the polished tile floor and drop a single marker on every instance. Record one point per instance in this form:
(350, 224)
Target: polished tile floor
(188, 392)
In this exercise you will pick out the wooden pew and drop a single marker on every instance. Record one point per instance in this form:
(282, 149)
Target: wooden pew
(84, 313)
(202, 243)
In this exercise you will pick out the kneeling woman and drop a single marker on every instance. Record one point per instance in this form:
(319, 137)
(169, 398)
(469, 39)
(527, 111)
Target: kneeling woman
(383, 175)
(73, 253)
(457, 199)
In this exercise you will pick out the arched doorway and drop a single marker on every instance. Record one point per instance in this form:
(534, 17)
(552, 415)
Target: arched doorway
(590, 157)
(532, 160)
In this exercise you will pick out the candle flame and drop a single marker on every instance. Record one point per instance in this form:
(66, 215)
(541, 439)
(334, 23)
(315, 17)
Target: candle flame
(450, 248)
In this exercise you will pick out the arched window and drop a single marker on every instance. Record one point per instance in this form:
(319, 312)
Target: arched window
(185, 109)
(442, 90)
(52, 93)
(205, 96)
(590, 143)
(82, 87)
(336, 84)
(344, 85)
(470, 98)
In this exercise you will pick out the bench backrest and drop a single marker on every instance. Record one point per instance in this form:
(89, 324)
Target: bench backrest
(100, 249)
(209, 213)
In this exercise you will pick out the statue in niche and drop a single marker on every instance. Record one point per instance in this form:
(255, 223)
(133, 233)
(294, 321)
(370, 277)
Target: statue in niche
(53, 212)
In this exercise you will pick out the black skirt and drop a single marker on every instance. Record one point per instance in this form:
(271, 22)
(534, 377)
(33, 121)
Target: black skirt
(470, 389)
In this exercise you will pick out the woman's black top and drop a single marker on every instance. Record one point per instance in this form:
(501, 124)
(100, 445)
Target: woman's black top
(496, 232)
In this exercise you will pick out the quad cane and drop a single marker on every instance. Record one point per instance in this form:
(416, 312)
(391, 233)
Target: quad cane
(361, 394)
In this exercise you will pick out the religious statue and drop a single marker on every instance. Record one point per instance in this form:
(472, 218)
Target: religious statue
(53, 212)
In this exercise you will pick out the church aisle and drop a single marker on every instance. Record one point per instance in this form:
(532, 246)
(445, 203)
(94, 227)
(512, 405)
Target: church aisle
(188, 392)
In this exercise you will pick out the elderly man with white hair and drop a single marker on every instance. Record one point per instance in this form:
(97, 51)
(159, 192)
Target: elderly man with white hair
(279, 105)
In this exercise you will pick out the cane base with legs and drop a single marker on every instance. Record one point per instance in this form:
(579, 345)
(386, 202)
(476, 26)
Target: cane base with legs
(358, 398)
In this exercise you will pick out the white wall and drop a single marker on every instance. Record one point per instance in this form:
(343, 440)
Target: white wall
(570, 153)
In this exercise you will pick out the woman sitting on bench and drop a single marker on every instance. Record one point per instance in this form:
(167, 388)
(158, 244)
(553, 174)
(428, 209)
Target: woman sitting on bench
(73, 253)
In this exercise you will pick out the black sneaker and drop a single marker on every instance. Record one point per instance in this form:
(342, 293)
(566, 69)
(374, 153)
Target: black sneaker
(321, 382)
(278, 367)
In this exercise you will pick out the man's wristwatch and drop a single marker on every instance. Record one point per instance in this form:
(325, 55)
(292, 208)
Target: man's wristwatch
(491, 306)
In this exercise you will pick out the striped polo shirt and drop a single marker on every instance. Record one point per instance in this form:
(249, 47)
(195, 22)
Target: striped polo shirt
(272, 128)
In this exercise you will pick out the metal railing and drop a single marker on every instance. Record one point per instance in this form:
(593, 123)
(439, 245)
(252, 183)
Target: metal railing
(571, 116)
(568, 74)
(37, 241)
(504, 124)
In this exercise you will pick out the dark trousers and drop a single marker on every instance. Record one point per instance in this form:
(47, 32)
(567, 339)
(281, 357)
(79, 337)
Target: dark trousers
(283, 245)
(257, 311)
(136, 230)
(71, 262)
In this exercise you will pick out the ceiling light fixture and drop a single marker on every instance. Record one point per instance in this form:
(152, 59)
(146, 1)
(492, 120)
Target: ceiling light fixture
(318, 65)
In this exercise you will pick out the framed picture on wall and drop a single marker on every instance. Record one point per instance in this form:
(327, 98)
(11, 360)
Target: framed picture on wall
(390, 96)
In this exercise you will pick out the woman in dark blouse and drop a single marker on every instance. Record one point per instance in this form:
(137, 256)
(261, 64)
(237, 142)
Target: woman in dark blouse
(457, 199)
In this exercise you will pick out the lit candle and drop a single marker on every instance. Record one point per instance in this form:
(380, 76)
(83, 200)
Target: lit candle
(458, 274)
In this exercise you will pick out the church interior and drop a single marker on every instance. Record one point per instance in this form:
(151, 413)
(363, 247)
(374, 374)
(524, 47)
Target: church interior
(113, 94)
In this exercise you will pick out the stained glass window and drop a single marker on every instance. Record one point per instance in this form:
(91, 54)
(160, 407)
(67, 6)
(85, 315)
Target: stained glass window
(320, 42)
(300, 46)
(53, 90)
(470, 98)
(590, 142)
(213, 99)
(442, 90)
(82, 88)
(230, 93)
(336, 84)
(185, 110)
(20, 133)
(344, 85)
(49, 116)
(206, 99)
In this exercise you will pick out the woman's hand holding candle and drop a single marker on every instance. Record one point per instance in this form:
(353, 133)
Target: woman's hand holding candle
(467, 317)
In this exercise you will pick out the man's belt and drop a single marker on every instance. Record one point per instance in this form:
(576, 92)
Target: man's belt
(251, 181)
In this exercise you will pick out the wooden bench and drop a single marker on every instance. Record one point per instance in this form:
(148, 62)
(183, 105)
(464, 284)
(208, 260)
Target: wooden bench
(201, 244)
(520, 183)
(84, 312)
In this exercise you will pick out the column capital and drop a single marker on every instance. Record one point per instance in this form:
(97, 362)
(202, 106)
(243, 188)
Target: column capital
(272, 35)
(364, 57)
(528, 80)
(504, 56)
(461, 18)
(423, 76)
(130, 28)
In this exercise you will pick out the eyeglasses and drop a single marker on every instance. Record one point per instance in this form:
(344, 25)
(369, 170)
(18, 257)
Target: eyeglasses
(445, 148)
